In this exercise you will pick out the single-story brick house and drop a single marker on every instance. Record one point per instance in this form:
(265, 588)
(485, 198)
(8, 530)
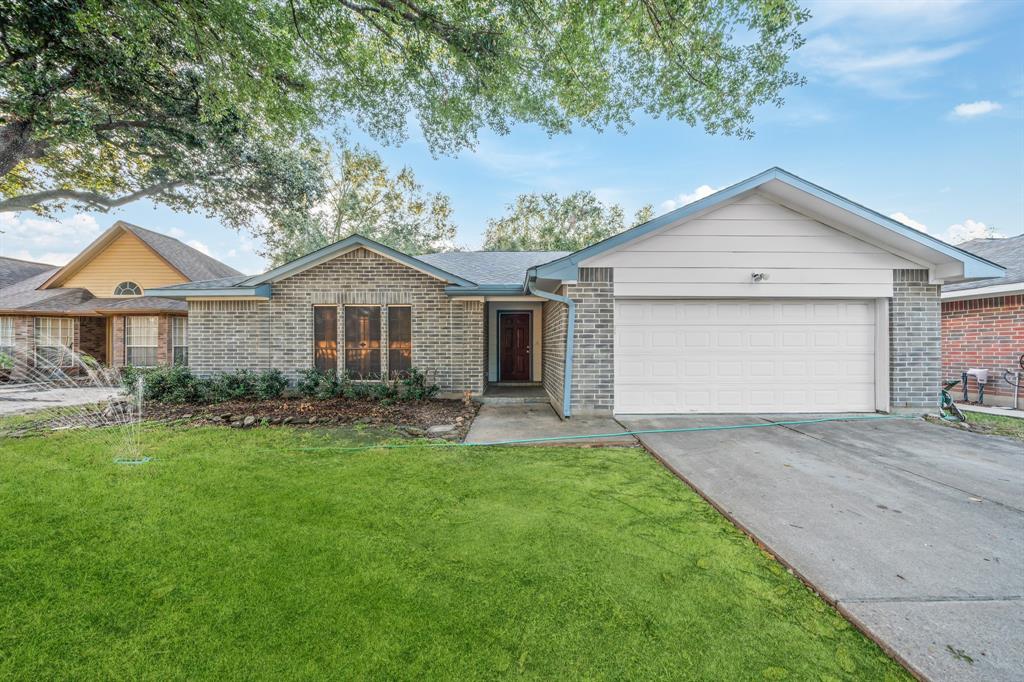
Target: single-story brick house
(983, 320)
(773, 295)
(94, 305)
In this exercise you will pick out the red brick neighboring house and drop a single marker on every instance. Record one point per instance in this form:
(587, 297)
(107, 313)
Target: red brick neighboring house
(983, 321)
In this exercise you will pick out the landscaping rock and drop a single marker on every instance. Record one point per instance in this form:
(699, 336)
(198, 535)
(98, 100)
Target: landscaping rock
(287, 420)
(441, 429)
(236, 425)
(312, 420)
(248, 421)
(226, 416)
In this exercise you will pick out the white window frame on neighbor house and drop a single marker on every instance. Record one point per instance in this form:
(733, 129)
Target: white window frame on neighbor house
(54, 340)
(179, 340)
(132, 288)
(7, 335)
(141, 332)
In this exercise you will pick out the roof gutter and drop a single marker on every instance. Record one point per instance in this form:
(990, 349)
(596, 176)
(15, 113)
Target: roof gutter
(570, 339)
(259, 291)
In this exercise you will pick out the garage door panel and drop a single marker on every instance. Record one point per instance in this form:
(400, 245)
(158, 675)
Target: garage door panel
(738, 356)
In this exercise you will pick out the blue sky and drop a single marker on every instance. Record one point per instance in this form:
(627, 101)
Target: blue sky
(912, 108)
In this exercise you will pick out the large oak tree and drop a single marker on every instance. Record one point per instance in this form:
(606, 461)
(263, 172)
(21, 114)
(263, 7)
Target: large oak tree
(216, 105)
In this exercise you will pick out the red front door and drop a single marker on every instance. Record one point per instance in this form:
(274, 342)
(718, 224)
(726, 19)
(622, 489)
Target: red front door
(514, 342)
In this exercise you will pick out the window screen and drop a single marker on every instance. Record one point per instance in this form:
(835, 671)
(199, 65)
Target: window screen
(362, 341)
(140, 340)
(399, 340)
(325, 338)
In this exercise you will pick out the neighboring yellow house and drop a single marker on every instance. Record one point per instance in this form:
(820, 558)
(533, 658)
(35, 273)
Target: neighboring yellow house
(95, 305)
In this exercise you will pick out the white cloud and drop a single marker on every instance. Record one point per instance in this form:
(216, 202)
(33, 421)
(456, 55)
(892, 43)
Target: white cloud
(176, 232)
(199, 246)
(899, 216)
(972, 109)
(970, 229)
(884, 69)
(53, 257)
(44, 239)
(688, 197)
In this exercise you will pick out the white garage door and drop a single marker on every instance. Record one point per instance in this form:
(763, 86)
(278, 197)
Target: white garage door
(765, 355)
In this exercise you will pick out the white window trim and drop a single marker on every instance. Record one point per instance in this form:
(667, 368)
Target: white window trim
(176, 322)
(127, 337)
(128, 281)
(60, 336)
(7, 332)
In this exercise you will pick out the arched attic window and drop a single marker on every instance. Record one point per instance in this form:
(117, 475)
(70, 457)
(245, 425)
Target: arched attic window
(127, 289)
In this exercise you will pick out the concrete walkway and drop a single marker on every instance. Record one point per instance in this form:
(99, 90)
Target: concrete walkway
(513, 422)
(21, 398)
(986, 409)
(914, 530)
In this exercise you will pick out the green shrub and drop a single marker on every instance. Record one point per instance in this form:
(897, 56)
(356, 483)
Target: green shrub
(238, 385)
(270, 384)
(6, 361)
(385, 392)
(309, 380)
(416, 386)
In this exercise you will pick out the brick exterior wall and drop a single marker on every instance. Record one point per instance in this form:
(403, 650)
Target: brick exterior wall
(915, 354)
(92, 337)
(593, 378)
(555, 320)
(985, 333)
(448, 338)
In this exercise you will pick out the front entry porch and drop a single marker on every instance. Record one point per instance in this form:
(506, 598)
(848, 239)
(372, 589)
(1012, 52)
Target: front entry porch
(514, 394)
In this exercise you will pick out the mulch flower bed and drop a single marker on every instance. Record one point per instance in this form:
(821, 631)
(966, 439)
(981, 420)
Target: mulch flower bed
(430, 418)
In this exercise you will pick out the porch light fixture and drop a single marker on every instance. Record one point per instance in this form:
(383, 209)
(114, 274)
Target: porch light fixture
(759, 276)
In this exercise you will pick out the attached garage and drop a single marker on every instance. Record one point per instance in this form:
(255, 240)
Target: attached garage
(773, 295)
(719, 356)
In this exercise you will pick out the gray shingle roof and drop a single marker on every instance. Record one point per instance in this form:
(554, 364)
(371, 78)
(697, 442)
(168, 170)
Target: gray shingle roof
(24, 295)
(194, 264)
(1006, 252)
(491, 267)
(136, 304)
(13, 270)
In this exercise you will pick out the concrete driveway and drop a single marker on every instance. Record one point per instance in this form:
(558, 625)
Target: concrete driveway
(914, 530)
(22, 398)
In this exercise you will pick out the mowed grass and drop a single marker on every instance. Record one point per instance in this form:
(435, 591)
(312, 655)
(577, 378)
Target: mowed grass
(238, 555)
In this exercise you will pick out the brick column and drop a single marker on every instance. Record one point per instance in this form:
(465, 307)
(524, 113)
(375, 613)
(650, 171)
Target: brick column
(915, 350)
(593, 369)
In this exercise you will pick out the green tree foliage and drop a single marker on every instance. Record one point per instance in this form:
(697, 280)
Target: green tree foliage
(548, 222)
(214, 105)
(364, 198)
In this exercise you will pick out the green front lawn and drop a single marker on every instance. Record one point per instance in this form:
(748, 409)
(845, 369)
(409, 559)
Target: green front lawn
(234, 555)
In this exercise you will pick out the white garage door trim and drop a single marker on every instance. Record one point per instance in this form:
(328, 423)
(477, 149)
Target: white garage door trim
(677, 356)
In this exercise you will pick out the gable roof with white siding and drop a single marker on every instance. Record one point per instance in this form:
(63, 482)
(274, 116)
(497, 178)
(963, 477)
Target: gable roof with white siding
(774, 191)
(716, 254)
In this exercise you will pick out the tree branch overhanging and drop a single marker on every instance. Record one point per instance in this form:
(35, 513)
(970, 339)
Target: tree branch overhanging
(94, 200)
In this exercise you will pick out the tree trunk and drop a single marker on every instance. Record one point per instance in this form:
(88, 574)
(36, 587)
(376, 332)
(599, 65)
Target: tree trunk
(16, 145)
